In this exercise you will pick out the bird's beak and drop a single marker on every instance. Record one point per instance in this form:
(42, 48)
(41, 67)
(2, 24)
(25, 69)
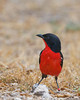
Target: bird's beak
(40, 35)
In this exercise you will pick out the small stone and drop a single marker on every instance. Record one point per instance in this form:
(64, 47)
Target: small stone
(29, 98)
(47, 96)
(17, 99)
(76, 97)
(14, 84)
(14, 94)
(42, 90)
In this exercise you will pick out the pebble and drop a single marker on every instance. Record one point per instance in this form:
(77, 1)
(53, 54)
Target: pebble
(14, 84)
(42, 90)
(17, 99)
(14, 94)
(29, 98)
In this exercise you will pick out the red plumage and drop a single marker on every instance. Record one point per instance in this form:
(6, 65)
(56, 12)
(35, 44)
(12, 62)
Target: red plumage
(50, 62)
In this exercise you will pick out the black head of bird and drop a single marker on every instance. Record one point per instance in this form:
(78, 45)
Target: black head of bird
(52, 41)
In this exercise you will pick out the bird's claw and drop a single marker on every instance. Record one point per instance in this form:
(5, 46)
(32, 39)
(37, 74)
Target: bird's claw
(58, 89)
(34, 87)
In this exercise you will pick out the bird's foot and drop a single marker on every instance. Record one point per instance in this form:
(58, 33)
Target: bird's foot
(58, 89)
(34, 87)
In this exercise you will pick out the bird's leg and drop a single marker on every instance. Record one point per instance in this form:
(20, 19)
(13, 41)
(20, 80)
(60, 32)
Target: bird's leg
(40, 81)
(43, 76)
(37, 84)
(57, 83)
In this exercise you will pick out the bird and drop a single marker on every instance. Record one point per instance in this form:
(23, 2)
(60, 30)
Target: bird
(50, 58)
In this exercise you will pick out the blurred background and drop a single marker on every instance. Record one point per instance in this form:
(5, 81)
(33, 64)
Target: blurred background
(20, 21)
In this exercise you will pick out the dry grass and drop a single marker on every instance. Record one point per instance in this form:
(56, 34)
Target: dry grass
(22, 66)
(20, 48)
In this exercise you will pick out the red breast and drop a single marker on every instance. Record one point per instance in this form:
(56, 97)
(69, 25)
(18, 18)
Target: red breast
(50, 62)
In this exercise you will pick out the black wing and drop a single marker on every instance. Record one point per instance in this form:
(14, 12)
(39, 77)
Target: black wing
(62, 58)
(40, 56)
(43, 75)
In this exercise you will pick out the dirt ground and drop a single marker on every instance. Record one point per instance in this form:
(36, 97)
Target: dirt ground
(20, 21)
